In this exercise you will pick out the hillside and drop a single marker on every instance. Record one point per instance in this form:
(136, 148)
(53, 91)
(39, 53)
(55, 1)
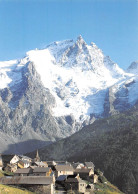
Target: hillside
(106, 188)
(4, 189)
(112, 144)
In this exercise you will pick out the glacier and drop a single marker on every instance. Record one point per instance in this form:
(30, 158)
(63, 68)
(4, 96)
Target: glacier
(82, 82)
(76, 74)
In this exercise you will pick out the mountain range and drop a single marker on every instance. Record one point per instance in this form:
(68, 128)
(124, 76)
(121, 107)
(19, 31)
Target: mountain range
(53, 92)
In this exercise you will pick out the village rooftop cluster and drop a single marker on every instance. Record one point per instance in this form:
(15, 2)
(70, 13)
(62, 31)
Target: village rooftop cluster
(48, 176)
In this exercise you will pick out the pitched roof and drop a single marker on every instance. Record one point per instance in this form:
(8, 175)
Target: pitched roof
(23, 171)
(28, 180)
(82, 170)
(62, 178)
(40, 164)
(75, 165)
(33, 167)
(25, 157)
(16, 157)
(25, 161)
(41, 169)
(89, 164)
(64, 168)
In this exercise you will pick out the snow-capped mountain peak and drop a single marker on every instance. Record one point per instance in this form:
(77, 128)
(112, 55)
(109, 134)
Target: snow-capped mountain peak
(53, 92)
(133, 68)
(77, 75)
(80, 42)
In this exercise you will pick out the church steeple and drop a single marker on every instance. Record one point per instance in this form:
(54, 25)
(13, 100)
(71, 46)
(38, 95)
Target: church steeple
(37, 158)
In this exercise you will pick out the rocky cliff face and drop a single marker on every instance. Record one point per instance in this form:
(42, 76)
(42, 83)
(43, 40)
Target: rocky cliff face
(54, 92)
(120, 97)
(25, 114)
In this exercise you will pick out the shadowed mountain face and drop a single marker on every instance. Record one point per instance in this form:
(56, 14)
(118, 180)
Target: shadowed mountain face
(25, 114)
(112, 144)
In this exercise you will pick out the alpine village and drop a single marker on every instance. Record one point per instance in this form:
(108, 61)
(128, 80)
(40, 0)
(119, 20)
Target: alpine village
(22, 174)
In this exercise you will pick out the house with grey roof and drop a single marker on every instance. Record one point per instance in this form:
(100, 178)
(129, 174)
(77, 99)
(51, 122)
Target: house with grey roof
(41, 164)
(23, 163)
(42, 171)
(89, 165)
(84, 173)
(22, 157)
(77, 165)
(23, 172)
(14, 159)
(42, 184)
(75, 184)
(64, 170)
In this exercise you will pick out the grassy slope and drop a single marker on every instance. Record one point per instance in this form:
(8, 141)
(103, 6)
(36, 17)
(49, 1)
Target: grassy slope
(4, 173)
(107, 188)
(4, 189)
(112, 144)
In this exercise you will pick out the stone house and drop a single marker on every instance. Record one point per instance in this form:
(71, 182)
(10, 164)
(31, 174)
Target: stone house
(75, 184)
(41, 185)
(77, 165)
(23, 163)
(94, 178)
(84, 173)
(15, 159)
(11, 168)
(42, 171)
(89, 165)
(64, 170)
(23, 172)
(62, 178)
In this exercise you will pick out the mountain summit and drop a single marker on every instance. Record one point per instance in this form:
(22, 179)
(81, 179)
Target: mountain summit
(53, 92)
(77, 75)
(133, 68)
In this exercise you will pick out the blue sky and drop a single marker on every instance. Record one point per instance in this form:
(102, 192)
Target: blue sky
(30, 24)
